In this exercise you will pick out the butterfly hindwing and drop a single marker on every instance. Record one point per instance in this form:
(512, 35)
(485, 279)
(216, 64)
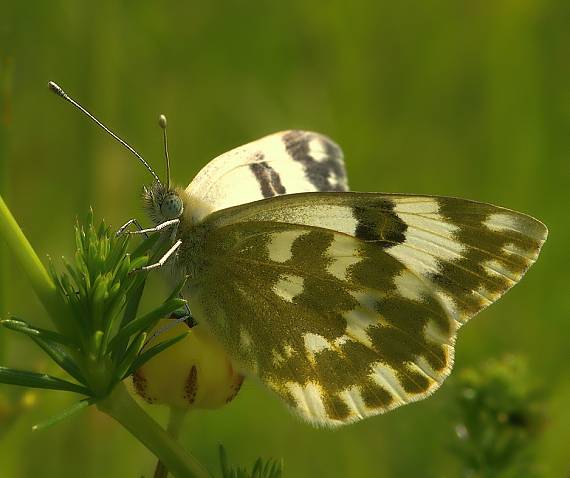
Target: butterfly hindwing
(320, 318)
(282, 163)
(347, 305)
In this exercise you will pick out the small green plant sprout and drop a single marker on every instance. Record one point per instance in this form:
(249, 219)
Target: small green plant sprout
(261, 468)
(99, 338)
(499, 416)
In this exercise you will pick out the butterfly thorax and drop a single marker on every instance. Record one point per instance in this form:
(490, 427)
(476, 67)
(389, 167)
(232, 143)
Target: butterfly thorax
(165, 204)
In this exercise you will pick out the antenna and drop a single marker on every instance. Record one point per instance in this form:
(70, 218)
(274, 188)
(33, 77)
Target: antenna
(162, 123)
(59, 92)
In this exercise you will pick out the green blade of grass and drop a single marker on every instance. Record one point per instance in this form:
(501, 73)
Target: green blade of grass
(19, 325)
(58, 352)
(41, 282)
(146, 245)
(224, 465)
(130, 355)
(24, 378)
(176, 292)
(147, 320)
(68, 412)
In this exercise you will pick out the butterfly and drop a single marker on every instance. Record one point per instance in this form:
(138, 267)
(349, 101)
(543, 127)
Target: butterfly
(344, 304)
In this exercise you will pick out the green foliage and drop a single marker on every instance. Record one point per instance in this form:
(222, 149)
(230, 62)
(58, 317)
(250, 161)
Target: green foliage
(260, 469)
(499, 416)
(100, 294)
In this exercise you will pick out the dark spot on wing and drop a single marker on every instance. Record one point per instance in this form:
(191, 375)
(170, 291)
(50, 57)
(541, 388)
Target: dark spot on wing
(377, 221)
(461, 277)
(268, 179)
(327, 174)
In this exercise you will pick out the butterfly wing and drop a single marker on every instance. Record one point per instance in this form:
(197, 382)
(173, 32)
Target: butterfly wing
(347, 305)
(282, 163)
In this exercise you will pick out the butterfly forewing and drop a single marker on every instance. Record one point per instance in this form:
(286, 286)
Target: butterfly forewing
(347, 305)
(281, 163)
(473, 251)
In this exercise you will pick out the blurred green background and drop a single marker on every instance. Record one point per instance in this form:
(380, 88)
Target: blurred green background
(469, 99)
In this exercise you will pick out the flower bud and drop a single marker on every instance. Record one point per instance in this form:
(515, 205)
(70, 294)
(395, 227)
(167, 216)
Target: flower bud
(195, 372)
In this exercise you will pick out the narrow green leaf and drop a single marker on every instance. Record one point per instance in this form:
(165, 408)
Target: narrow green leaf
(60, 356)
(73, 274)
(79, 235)
(133, 300)
(118, 250)
(113, 293)
(150, 353)
(224, 462)
(137, 263)
(146, 321)
(276, 469)
(89, 218)
(146, 245)
(257, 468)
(123, 268)
(25, 378)
(130, 355)
(68, 412)
(176, 292)
(19, 325)
(101, 231)
(112, 315)
(97, 342)
(99, 295)
(58, 352)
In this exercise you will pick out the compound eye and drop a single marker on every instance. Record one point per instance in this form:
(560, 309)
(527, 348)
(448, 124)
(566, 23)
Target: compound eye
(171, 207)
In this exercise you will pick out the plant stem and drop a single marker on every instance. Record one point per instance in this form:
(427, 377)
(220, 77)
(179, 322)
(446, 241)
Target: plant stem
(175, 421)
(123, 408)
(160, 470)
(34, 269)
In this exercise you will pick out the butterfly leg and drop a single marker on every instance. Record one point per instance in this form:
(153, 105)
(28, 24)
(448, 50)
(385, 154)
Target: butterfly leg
(160, 227)
(122, 229)
(162, 260)
(176, 319)
(188, 315)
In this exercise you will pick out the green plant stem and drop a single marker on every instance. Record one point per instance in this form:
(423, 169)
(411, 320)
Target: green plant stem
(34, 269)
(175, 421)
(160, 470)
(123, 408)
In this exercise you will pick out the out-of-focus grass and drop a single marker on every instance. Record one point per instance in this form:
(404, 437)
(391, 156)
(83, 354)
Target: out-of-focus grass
(466, 99)
(5, 121)
(499, 415)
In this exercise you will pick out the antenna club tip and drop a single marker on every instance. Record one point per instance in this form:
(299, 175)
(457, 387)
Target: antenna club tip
(55, 88)
(162, 121)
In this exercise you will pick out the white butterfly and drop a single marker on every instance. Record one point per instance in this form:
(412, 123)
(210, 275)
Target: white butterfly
(344, 304)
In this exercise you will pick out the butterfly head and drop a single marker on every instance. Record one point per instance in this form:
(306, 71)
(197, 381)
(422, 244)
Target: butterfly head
(162, 203)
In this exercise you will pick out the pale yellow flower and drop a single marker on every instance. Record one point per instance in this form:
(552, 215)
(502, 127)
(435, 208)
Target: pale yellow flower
(194, 373)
